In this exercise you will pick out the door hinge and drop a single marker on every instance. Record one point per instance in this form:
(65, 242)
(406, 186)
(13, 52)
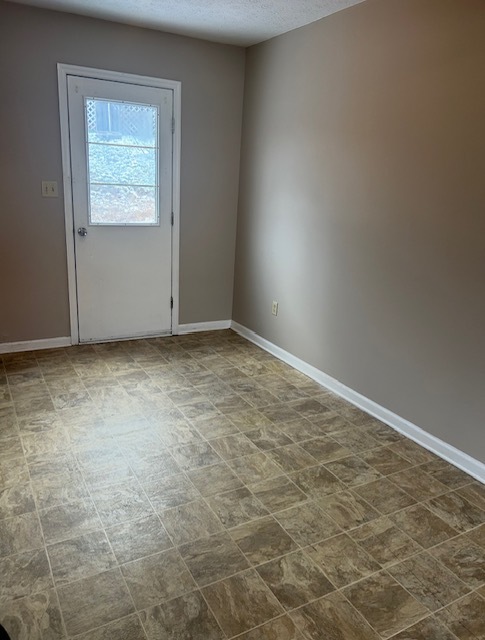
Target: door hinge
(171, 303)
(172, 219)
(173, 125)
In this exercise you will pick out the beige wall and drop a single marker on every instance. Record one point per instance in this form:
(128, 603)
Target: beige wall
(33, 279)
(362, 206)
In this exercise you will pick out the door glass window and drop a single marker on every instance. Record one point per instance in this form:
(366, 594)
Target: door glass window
(122, 156)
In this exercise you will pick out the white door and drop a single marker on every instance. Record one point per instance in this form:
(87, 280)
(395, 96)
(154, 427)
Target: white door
(121, 169)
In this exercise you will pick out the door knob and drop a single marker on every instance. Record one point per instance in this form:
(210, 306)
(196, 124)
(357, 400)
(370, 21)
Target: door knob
(82, 231)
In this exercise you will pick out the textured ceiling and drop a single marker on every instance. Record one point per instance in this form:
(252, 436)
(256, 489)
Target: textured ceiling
(241, 22)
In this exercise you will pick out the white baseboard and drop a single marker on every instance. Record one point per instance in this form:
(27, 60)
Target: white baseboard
(34, 345)
(216, 325)
(442, 449)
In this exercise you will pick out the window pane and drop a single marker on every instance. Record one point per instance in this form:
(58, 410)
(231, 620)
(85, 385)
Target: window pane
(122, 157)
(122, 165)
(121, 122)
(123, 205)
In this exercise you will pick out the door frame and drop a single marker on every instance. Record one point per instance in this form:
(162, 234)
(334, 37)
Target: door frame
(63, 71)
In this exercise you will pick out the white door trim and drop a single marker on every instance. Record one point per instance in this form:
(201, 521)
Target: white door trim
(64, 70)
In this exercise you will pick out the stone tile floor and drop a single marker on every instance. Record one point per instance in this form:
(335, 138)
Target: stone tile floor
(197, 488)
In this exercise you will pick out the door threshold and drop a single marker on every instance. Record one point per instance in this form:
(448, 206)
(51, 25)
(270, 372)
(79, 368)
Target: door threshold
(144, 336)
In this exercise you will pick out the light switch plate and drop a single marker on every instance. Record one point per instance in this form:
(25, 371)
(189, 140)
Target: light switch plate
(49, 189)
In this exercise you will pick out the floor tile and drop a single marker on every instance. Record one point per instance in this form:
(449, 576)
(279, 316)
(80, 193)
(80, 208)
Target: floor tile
(282, 628)
(48, 465)
(214, 558)
(300, 429)
(457, 511)
(428, 581)
(295, 579)
(55, 489)
(16, 500)
(474, 493)
(423, 526)
(353, 471)
(233, 446)
(307, 524)
(464, 558)
(11, 448)
(170, 492)
(356, 416)
(99, 477)
(230, 404)
(382, 433)
(178, 433)
(355, 439)
(348, 509)
(129, 628)
(69, 520)
(35, 617)
(310, 408)
(8, 421)
(194, 456)
(384, 541)
(419, 485)
(157, 578)
(342, 560)
(266, 438)
(185, 618)
(465, 617)
(262, 540)
(385, 460)
(248, 420)
(216, 427)
(80, 557)
(317, 482)
(384, 496)
(20, 533)
(385, 604)
(13, 472)
(153, 467)
(97, 464)
(24, 574)
(325, 449)
(412, 452)
(447, 474)
(28, 406)
(427, 629)
(120, 503)
(478, 535)
(292, 458)
(190, 521)
(332, 422)
(236, 507)
(255, 468)
(138, 538)
(278, 493)
(280, 413)
(241, 602)
(94, 601)
(332, 618)
(214, 479)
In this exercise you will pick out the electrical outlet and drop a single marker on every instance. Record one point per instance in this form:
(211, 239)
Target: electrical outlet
(49, 189)
(274, 308)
